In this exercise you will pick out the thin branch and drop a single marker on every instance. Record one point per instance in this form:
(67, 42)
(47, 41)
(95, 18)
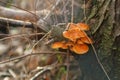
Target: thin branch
(8, 36)
(72, 11)
(15, 23)
(101, 65)
(68, 65)
(39, 73)
(43, 70)
(23, 56)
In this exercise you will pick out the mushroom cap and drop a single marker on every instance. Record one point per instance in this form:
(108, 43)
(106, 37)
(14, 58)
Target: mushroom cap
(69, 43)
(74, 34)
(60, 44)
(83, 26)
(79, 41)
(56, 45)
(73, 26)
(80, 48)
(64, 46)
(86, 40)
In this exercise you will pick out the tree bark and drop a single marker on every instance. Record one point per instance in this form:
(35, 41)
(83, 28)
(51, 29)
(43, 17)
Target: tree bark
(103, 17)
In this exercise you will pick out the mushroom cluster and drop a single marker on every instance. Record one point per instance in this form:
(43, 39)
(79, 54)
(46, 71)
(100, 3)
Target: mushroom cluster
(77, 39)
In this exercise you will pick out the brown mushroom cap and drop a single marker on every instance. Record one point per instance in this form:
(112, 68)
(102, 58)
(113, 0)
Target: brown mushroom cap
(80, 48)
(86, 40)
(83, 26)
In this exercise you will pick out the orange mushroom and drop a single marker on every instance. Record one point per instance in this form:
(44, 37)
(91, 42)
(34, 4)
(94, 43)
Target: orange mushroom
(60, 44)
(80, 48)
(64, 46)
(69, 43)
(79, 41)
(86, 40)
(76, 39)
(74, 34)
(73, 26)
(83, 26)
(57, 45)
(66, 34)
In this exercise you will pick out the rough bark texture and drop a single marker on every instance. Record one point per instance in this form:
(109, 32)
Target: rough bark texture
(104, 17)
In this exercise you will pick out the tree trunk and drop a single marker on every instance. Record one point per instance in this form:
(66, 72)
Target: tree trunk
(103, 17)
(91, 69)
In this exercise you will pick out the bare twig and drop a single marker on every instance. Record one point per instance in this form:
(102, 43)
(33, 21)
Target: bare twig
(68, 65)
(39, 73)
(101, 65)
(12, 73)
(15, 23)
(72, 11)
(23, 56)
(43, 70)
(7, 36)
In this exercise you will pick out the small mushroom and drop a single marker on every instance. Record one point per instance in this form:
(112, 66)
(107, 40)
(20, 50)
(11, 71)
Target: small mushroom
(83, 26)
(60, 44)
(80, 48)
(86, 40)
(66, 34)
(64, 46)
(57, 45)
